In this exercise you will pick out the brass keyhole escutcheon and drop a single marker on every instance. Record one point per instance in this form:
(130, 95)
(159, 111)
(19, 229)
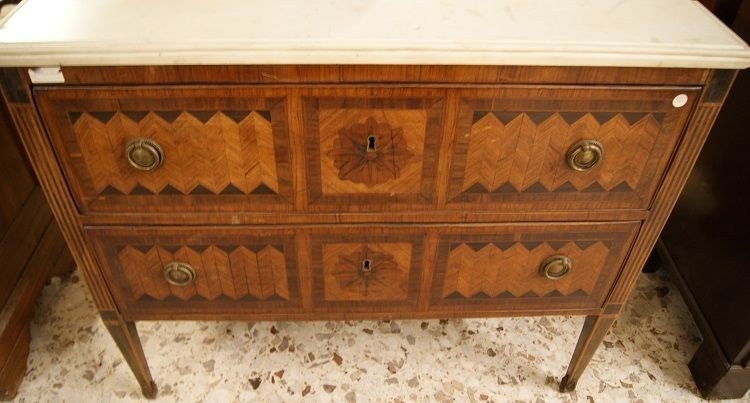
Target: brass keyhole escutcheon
(585, 155)
(144, 154)
(371, 143)
(556, 267)
(366, 268)
(179, 273)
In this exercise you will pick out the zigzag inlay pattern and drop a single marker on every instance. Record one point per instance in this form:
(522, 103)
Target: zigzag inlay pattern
(487, 270)
(256, 272)
(515, 152)
(206, 152)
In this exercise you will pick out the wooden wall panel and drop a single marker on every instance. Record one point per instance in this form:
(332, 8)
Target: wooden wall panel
(14, 189)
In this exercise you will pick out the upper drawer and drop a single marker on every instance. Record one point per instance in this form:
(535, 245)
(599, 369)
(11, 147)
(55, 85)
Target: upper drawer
(564, 148)
(213, 149)
(208, 149)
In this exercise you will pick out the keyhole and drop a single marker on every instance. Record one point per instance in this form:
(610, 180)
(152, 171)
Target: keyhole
(370, 144)
(366, 266)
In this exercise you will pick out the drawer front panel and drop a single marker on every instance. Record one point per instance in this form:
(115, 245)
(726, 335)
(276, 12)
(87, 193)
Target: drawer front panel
(233, 270)
(368, 149)
(367, 270)
(221, 148)
(512, 146)
(501, 267)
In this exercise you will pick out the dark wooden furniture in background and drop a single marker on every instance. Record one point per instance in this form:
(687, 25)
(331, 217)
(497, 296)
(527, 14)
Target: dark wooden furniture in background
(353, 192)
(705, 244)
(31, 250)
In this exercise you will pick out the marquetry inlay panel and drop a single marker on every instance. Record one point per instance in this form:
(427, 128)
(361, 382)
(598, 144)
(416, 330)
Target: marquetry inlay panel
(495, 270)
(249, 268)
(366, 147)
(501, 266)
(370, 153)
(366, 271)
(215, 149)
(254, 272)
(511, 150)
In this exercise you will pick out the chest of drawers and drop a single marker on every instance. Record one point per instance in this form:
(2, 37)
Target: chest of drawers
(349, 191)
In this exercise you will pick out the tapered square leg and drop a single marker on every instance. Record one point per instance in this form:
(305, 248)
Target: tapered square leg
(594, 329)
(127, 340)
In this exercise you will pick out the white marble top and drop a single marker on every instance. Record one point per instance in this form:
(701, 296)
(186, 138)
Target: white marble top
(648, 33)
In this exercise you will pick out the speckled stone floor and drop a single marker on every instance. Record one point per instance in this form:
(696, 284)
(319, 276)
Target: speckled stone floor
(643, 359)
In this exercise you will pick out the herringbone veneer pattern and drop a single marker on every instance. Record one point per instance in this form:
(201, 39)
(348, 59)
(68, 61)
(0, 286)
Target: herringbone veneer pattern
(230, 271)
(214, 152)
(492, 270)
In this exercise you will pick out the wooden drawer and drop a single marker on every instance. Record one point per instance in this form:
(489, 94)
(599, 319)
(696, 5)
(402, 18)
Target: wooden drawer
(511, 146)
(359, 271)
(500, 267)
(228, 149)
(247, 271)
(223, 148)
(372, 149)
(366, 269)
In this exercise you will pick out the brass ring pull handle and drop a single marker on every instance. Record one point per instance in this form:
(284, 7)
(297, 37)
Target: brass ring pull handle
(144, 154)
(556, 267)
(179, 273)
(585, 155)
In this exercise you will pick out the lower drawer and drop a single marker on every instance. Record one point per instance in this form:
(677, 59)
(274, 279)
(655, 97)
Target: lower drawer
(179, 272)
(528, 267)
(360, 271)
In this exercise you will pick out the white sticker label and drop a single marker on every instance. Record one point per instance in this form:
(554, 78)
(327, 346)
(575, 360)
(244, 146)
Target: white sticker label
(680, 101)
(46, 75)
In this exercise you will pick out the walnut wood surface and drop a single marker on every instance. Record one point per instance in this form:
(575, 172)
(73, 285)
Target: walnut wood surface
(378, 74)
(705, 113)
(674, 180)
(17, 95)
(14, 189)
(405, 126)
(31, 251)
(228, 148)
(499, 266)
(595, 327)
(21, 241)
(224, 148)
(466, 180)
(704, 245)
(236, 270)
(12, 373)
(510, 145)
(257, 269)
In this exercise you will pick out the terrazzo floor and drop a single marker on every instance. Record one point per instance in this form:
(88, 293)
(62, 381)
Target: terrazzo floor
(643, 359)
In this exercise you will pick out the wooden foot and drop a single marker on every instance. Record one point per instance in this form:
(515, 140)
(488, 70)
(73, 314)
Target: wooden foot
(594, 329)
(715, 376)
(126, 336)
(11, 374)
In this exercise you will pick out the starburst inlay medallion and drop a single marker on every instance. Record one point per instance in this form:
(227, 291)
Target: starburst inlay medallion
(365, 268)
(370, 153)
